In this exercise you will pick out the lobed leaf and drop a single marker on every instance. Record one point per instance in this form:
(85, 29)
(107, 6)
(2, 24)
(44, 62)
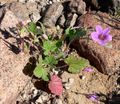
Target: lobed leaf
(72, 33)
(49, 46)
(76, 63)
(32, 27)
(40, 72)
(50, 60)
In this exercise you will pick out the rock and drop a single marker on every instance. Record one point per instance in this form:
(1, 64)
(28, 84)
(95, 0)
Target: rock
(52, 15)
(71, 80)
(42, 3)
(30, 1)
(23, 11)
(2, 13)
(78, 6)
(12, 78)
(82, 77)
(116, 4)
(57, 101)
(106, 60)
(22, 1)
(61, 20)
(34, 11)
(29, 93)
(43, 98)
(35, 92)
(15, 12)
(73, 21)
(19, 9)
(8, 22)
(68, 84)
(68, 19)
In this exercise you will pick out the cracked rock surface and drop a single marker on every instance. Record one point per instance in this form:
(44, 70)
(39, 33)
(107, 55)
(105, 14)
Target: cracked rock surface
(12, 78)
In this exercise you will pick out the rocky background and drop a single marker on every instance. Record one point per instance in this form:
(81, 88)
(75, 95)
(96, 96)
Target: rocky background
(17, 87)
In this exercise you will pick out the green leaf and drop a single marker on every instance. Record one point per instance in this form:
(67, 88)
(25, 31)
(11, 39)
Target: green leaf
(23, 32)
(59, 43)
(45, 76)
(23, 29)
(42, 27)
(49, 46)
(50, 60)
(32, 27)
(40, 72)
(72, 33)
(60, 55)
(26, 46)
(76, 63)
(80, 32)
(67, 31)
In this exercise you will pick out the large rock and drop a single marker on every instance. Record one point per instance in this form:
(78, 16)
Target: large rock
(12, 62)
(105, 59)
(12, 78)
(78, 6)
(8, 20)
(116, 4)
(23, 11)
(13, 13)
(52, 14)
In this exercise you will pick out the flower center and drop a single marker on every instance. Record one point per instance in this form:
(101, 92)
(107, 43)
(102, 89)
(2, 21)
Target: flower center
(102, 37)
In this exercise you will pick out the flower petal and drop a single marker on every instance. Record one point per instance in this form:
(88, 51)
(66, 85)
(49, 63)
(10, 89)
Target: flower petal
(106, 31)
(99, 29)
(94, 36)
(109, 37)
(102, 42)
(93, 97)
(88, 69)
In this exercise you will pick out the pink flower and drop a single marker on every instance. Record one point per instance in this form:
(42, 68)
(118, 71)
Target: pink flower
(55, 85)
(92, 97)
(101, 36)
(88, 69)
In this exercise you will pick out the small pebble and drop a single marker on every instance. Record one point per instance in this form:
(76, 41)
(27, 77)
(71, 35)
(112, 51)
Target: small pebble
(42, 99)
(55, 71)
(70, 80)
(82, 77)
(35, 92)
(118, 92)
(24, 95)
(67, 86)
(22, 1)
(69, 83)
(57, 101)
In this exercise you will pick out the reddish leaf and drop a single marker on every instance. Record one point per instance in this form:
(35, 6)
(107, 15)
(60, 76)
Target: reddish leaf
(55, 85)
